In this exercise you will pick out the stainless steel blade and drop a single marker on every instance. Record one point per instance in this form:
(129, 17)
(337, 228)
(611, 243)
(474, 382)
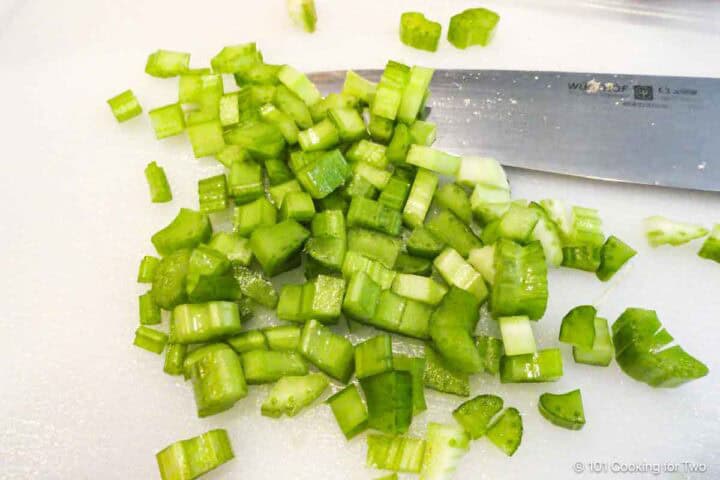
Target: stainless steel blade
(643, 129)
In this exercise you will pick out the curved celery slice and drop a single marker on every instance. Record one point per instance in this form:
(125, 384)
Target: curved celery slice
(613, 255)
(373, 356)
(149, 310)
(213, 194)
(191, 458)
(475, 414)
(474, 26)
(586, 227)
(236, 58)
(711, 248)
(542, 366)
(582, 257)
(424, 243)
(419, 32)
(398, 453)
(483, 171)
(324, 175)
(560, 214)
(377, 177)
(157, 181)
(422, 132)
(388, 95)
(547, 233)
(564, 410)
(491, 350)
(217, 378)
(125, 106)
(291, 394)
(255, 286)
(367, 213)
(578, 327)
(518, 223)
(601, 353)
(517, 335)
(446, 446)
(321, 136)
(303, 14)
(663, 231)
(520, 286)
(451, 326)
(506, 432)
(274, 246)
(247, 341)
(169, 281)
(357, 263)
(188, 229)
(438, 375)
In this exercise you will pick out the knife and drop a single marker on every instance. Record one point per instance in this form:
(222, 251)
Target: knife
(651, 130)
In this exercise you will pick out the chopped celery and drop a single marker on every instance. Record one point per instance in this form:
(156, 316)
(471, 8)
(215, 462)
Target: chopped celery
(200, 88)
(167, 121)
(187, 230)
(282, 338)
(474, 26)
(452, 197)
(348, 123)
(586, 227)
(303, 14)
(321, 110)
(416, 287)
(459, 273)
(373, 356)
(213, 194)
(520, 286)
(441, 377)
(388, 95)
(433, 160)
(613, 255)
(483, 171)
(506, 432)
(583, 257)
(297, 206)
(321, 136)
(578, 327)
(564, 410)
(541, 366)
(395, 193)
(377, 177)
(446, 446)
(277, 172)
(423, 133)
(331, 353)
(371, 214)
(398, 453)
(234, 247)
(150, 339)
(389, 401)
(275, 245)
(491, 350)
(230, 154)
(324, 175)
(601, 352)
(193, 457)
(174, 359)
(282, 121)
(415, 366)
(413, 265)
(414, 94)
(267, 366)
(374, 245)
(421, 194)
(148, 267)
(258, 74)
(518, 223)
(368, 152)
(560, 214)
(248, 341)
(204, 322)
(169, 281)
(475, 414)
(293, 106)
(418, 32)
(424, 244)
(157, 181)
(517, 335)
(361, 298)
(451, 326)
(299, 84)
(641, 351)
(399, 144)
(483, 260)
(166, 63)
(256, 287)
(293, 393)
(249, 217)
(359, 87)
(547, 233)
(711, 247)
(125, 106)
(217, 378)
(277, 193)
(380, 129)
(261, 140)
(489, 204)
(349, 411)
(149, 310)
(663, 231)
(452, 231)
(206, 138)
(355, 263)
(236, 58)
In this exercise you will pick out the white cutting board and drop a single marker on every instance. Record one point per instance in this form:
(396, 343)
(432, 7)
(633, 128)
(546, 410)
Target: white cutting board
(77, 400)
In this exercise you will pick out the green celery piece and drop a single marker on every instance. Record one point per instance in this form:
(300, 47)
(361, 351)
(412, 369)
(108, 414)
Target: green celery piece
(584, 257)
(458, 273)
(475, 414)
(389, 401)
(395, 193)
(217, 379)
(452, 197)
(169, 281)
(293, 393)
(445, 446)
(174, 359)
(421, 132)
(415, 366)
(377, 177)
(415, 321)
(586, 227)
(327, 300)
(361, 297)
(357, 86)
(234, 247)
(167, 121)
(349, 410)
(282, 121)
(484, 172)
(373, 356)
(517, 335)
(157, 181)
(236, 58)
(483, 260)
(150, 339)
(359, 186)
(433, 160)
(320, 111)
(303, 14)
(474, 26)
(547, 233)
(229, 109)
(335, 201)
(491, 350)
(421, 194)
(297, 206)
(418, 32)
(167, 63)
(489, 234)
(125, 106)
(187, 230)
(206, 138)
(254, 286)
(399, 145)
(245, 181)
(389, 311)
(262, 140)
(374, 215)
(453, 232)
(193, 457)
(520, 286)
(321, 136)
(489, 204)
(282, 338)
(213, 194)
(424, 243)
(204, 322)
(299, 84)
(355, 262)
(368, 152)
(278, 172)
(277, 193)
(451, 326)
(148, 309)
(258, 74)
(711, 247)
(613, 255)
(564, 410)
(398, 453)
(247, 341)
(601, 353)
(232, 153)
(268, 366)
(419, 288)
(374, 245)
(578, 327)
(441, 377)
(324, 175)
(208, 288)
(348, 122)
(414, 95)
(147, 269)
(506, 432)
(541, 366)
(292, 105)
(275, 245)
(331, 353)
(413, 265)
(517, 223)
(205, 260)
(663, 231)
(327, 251)
(290, 303)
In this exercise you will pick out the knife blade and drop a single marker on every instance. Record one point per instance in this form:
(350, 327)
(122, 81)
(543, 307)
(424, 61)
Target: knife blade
(643, 129)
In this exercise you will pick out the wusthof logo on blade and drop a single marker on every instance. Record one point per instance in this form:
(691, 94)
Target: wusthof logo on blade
(643, 92)
(596, 87)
